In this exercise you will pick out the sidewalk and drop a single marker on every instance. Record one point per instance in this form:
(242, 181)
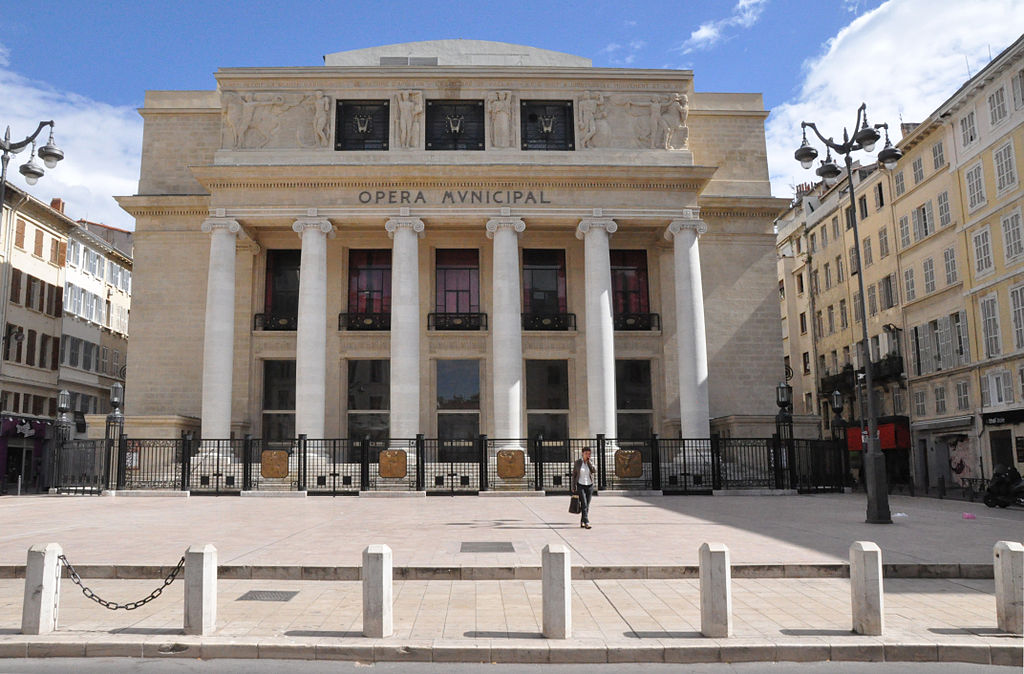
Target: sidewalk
(615, 620)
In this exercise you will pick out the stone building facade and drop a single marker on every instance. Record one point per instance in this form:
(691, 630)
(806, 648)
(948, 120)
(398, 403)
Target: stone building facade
(451, 238)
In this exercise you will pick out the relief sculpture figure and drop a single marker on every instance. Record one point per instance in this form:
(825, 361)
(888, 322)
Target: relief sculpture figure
(499, 105)
(654, 132)
(321, 118)
(674, 114)
(234, 119)
(410, 112)
(592, 117)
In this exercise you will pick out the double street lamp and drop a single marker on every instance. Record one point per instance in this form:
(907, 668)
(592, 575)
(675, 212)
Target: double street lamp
(49, 153)
(865, 137)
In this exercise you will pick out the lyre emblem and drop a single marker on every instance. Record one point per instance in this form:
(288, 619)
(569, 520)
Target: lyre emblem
(547, 124)
(454, 124)
(364, 124)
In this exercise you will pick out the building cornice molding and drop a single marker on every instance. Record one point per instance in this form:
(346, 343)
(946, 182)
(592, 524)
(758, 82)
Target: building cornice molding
(140, 205)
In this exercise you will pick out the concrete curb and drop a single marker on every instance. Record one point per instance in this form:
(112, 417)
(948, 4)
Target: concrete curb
(515, 572)
(538, 650)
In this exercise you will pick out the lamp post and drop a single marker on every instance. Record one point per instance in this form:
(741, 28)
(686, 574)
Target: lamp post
(839, 433)
(784, 432)
(112, 434)
(864, 138)
(63, 434)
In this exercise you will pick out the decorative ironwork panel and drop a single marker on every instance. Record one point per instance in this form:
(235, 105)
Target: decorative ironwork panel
(370, 321)
(152, 464)
(547, 125)
(450, 321)
(455, 125)
(511, 464)
(274, 322)
(274, 463)
(629, 463)
(362, 125)
(393, 463)
(637, 322)
(561, 322)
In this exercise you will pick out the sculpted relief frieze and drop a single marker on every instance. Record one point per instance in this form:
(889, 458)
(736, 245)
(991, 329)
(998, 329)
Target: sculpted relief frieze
(618, 120)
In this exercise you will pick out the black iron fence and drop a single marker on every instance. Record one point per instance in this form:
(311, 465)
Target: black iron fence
(440, 466)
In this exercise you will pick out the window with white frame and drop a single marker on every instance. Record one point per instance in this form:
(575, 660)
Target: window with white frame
(843, 322)
(883, 241)
(975, 186)
(1006, 171)
(944, 215)
(853, 260)
(949, 258)
(835, 228)
(908, 284)
(963, 395)
(856, 307)
(865, 252)
(827, 268)
(918, 167)
(1018, 89)
(872, 301)
(904, 232)
(919, 403)
(74, 253)
(831, 320)
(990, 326)
(898, 183)
(968, 132)
(928, 267)
(1012, 244)
(937, 157)
(887, 295)
(996, 388)
(839, 268)
(997, 106)
(1017, 306)
(923, 218)
(982, 252)
(824, 237)
(940, 399)
(960, 341)
(879, 196)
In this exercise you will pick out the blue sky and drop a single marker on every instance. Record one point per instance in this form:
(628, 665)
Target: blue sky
(812, 59)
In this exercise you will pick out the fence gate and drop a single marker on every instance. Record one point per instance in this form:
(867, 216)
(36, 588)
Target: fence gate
(213, 467)
(818, 466)
(333, 467)
(81, 467)
(451, 466)
(687, 466)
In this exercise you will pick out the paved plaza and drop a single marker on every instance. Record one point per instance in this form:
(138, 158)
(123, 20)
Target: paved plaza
(614, 619)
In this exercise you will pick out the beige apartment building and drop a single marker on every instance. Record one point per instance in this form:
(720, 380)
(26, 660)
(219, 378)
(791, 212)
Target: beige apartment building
(940, 239)
(452, 238)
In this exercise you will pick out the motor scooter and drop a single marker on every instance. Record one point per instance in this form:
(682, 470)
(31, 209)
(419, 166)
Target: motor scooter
(1005, 489)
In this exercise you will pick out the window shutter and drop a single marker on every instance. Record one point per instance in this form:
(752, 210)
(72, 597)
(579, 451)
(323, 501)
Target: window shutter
(59, 304)
(62, 253)
(912, 356)
(945, 344)
(19, 234)
(30, 346)
(985, 402)
(916, 219)
(1007, 388)
(929, 217)
(966, 336)
(16, 286)
(38, 248)
(54, 353)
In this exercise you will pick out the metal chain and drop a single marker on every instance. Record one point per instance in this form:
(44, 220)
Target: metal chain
(113, 606)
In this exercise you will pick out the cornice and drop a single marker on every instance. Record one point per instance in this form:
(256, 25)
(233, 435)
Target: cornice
(742, 206)
(166, 204)
(684, 178)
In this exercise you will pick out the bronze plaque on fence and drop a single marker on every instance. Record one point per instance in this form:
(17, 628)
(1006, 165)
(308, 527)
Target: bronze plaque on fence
(392, 463)
(511, 464)
(274, 463)
(628, 463)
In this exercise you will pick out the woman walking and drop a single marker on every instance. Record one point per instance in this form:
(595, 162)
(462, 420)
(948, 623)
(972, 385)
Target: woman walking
(583, 485)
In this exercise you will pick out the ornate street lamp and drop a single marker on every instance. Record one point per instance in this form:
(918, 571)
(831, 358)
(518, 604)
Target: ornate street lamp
(864, 138)
(839, 433)
(49, 153)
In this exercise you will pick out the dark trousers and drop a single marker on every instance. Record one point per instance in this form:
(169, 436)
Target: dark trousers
(586, 492)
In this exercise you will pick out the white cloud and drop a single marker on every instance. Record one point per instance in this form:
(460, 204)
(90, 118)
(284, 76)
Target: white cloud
(623, 55)
(744, 15)
(877, 60)
(102, 146)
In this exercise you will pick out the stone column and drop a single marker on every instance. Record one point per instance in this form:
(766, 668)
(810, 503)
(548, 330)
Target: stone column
(405, 326)
(599, 325)
(507, 328)
(219, 329)
(311, 332)
(691, 341)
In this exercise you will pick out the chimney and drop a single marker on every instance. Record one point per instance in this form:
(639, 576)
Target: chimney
(57, 204)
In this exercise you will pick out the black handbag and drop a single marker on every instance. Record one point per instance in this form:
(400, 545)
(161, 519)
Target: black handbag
(574, 505)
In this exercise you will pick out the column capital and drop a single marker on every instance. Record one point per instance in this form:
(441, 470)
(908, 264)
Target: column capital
(587, 224)
(302, 224)
(414, 224)
(676, 226)
(515, 224)
(229, 224)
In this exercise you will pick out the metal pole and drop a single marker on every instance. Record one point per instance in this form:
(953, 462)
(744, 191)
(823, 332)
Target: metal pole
(874, 463)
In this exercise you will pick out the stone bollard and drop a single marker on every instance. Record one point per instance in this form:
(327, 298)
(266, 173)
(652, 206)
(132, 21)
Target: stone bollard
(866, 588)
(1009, 573)
(201, 589)
(715, 591)
(556, 591)
(378, 611)
(42, 589)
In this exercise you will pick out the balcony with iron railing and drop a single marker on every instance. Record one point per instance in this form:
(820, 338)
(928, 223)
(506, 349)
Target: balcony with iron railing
(270, 321)
(637, 322)
(364, 321)
(456, 321)
(889, 368)
(538, 321)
